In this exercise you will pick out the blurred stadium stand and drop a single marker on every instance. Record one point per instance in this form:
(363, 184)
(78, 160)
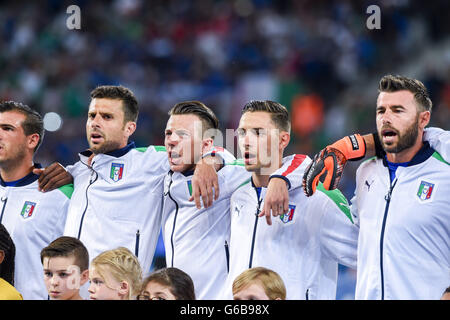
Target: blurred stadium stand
(317, 58)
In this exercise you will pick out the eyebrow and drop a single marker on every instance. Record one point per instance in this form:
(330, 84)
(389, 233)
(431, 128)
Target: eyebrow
(97, 278)
(61, 270)
(7, 125)
(395, 106)
(253, 128)
(100, 112)
(177, 130)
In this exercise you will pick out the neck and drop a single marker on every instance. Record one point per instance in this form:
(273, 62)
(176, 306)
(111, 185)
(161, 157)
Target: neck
(76, 297)
(13, 173)
(405, 155)
(260, 180)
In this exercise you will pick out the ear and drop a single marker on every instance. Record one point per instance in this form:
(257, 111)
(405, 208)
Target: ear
(130, 128)
(84, 277)
(33, 140)
(2, 256)
(424, 119)
(207, 145)
(124, 289)
(285, 137)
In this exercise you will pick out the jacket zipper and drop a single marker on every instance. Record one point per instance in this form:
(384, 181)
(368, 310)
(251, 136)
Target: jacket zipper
(91, 182)
(4, 200)
(254, 230)
(136, 247)
(387, 197)
(174, 219)
(227, 255)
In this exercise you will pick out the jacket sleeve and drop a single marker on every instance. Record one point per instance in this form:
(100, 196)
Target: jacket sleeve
(439, 140)
(224, 154)
(292, 170)
(232, 176)
(338, 232)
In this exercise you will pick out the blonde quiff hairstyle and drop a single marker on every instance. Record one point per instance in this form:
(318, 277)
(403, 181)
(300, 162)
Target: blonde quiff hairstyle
(270, 280)
(123, 265)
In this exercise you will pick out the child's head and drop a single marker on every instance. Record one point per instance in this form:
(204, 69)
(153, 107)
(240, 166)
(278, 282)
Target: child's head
(259, 284)
(7, 254)
(66, 268)
(115, 275)
(168, 284)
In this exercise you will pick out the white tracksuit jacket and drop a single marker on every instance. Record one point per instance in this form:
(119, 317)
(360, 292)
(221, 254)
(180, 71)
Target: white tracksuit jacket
(404, 238)
(117, 201)
(303, 246)
(33, 219)
(439, 140)
(196, 241)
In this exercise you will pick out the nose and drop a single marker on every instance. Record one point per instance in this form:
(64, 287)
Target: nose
(386, 117)
(54, 281)
(249, 139)
(173, 139)
(244, 142)
(95, 121)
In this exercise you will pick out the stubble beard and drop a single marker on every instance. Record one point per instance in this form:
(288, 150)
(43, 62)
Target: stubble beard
(405, 140)
(14, 161)
(105, 147)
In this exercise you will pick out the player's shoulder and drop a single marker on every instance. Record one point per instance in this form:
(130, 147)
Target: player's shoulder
(368, 165)
(334, 198)
(150, 149)
(67, 190)
(243, 190)
(146, 156)
(58, 196)
(439, 160)
(233, 167)
(297, 162)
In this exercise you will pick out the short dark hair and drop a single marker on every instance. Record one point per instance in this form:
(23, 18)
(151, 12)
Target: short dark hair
(199, 109)
(391, 83)
(9, 249)
(179, 282)
(279, 114)
(33, 122)
(65, 247)
(129, 101)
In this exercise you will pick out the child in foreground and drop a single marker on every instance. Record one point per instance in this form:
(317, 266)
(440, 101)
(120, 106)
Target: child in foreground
(259, 284)
(115, 275)
(66, 268)
(168, 284)
(7, 254)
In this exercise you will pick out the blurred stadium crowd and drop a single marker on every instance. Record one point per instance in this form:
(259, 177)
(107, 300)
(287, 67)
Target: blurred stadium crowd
(318, 58)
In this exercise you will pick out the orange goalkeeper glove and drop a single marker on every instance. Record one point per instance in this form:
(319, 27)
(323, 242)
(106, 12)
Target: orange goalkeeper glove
(328, 165)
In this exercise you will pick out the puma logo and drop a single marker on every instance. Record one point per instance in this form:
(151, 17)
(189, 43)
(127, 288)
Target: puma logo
(368, 185)
(237, 210)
